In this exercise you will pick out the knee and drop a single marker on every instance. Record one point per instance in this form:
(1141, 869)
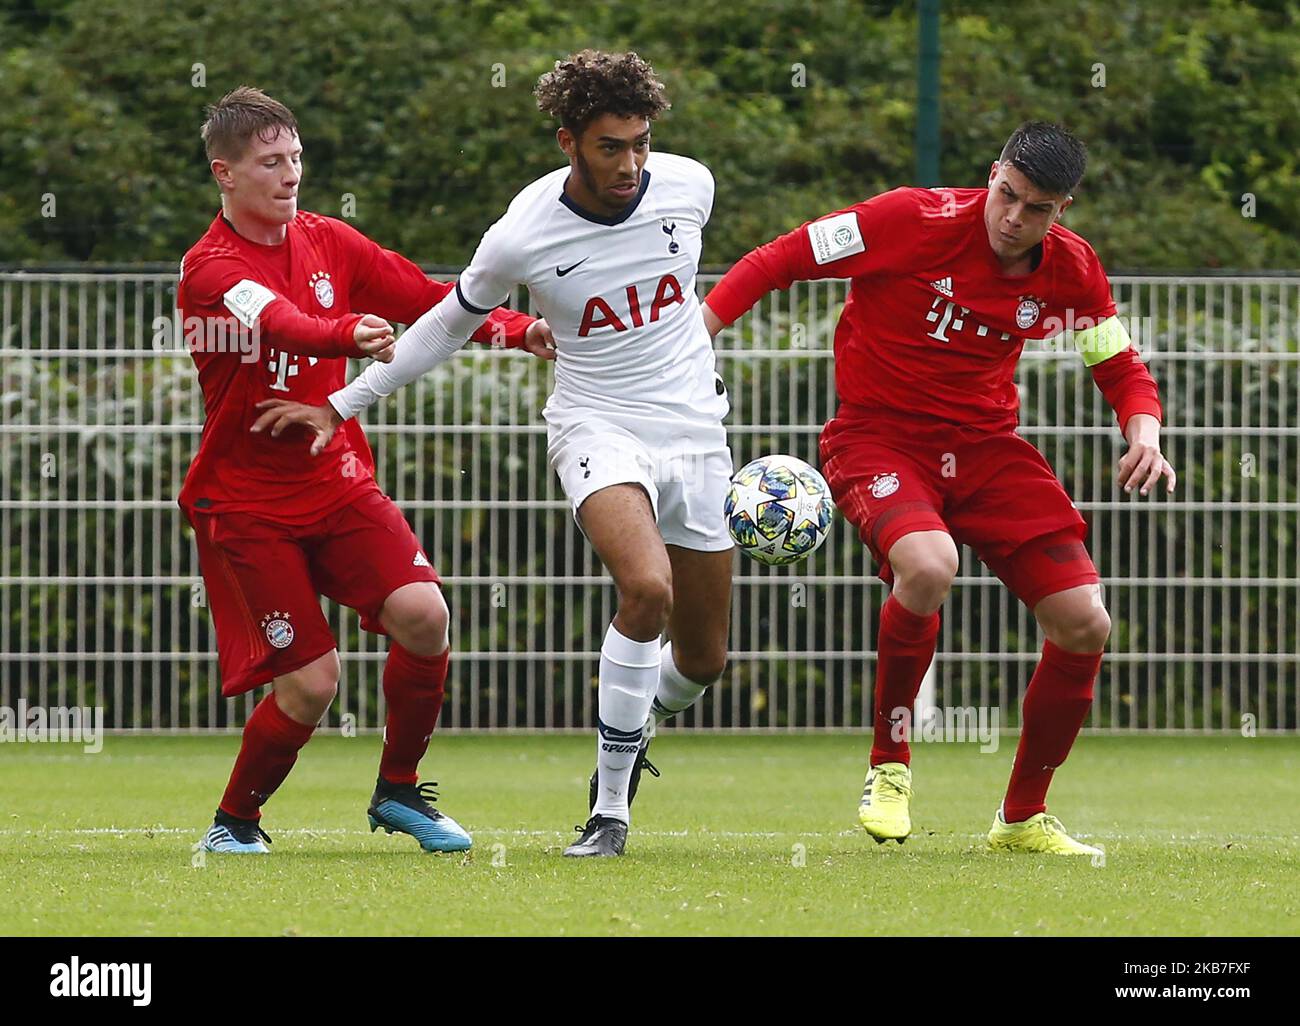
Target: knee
(426, 631)
(926, 575)
(419, 622)
(935, 575)
(305, 694)
(646, 601)
(1085, 632)
(703, 667)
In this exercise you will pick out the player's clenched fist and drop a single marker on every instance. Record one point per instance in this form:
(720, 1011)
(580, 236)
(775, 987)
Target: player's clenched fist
(539, 340)
(374, 337)
(280, 414)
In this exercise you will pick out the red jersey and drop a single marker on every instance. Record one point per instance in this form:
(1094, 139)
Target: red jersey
(932, 325)
(297, 305)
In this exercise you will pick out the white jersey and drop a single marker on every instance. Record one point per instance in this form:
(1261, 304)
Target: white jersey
(618, 294)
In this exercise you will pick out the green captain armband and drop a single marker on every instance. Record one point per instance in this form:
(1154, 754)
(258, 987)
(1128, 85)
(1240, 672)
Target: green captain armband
(1102, 341)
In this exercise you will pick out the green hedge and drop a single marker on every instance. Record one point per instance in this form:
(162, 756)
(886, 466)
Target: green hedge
(798, 108)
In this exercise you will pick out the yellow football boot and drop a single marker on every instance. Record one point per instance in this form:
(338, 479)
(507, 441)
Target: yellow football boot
(1040, 833)
(886, 799)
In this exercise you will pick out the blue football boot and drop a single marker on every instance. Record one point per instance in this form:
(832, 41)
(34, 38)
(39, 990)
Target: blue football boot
(408, 808)
(229, 835)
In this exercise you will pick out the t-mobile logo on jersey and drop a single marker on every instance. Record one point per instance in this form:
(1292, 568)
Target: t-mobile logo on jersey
(953, 317)
(284, 366)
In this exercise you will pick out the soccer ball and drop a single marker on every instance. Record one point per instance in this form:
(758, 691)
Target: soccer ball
(778, 509)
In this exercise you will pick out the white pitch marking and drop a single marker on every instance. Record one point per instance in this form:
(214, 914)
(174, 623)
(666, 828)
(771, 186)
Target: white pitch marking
(1154, 836)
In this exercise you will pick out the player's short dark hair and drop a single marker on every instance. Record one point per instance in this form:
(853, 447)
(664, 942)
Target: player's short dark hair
(591, 83)
(1048, 155)
(237, 117)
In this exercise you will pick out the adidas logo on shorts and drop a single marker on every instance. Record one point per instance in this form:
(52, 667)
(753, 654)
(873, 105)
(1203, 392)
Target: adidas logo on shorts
(419, 560)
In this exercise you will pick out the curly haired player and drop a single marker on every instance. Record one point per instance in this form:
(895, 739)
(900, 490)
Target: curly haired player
(946, 287)
(274, 531)
(609, 246)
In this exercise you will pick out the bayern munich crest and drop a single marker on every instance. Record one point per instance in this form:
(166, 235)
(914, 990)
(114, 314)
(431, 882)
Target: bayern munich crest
(279, 631)
(883, 485)
(1027, 313)
(324, 288)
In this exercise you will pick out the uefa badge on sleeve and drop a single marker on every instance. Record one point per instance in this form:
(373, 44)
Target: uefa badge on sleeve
(279, 631)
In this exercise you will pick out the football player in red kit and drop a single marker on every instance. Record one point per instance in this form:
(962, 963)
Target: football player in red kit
(946, 286)
(275, 530)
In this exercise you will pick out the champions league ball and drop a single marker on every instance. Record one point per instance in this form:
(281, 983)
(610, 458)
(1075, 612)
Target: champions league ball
(778, 509)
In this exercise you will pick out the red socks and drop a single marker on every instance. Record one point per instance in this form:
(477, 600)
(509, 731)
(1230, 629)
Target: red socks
(1056, 704)
(413, 689)
(269, 750)
(905, 648)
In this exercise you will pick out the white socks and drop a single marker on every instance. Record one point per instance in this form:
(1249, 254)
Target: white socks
(629, 672)
(675, 694)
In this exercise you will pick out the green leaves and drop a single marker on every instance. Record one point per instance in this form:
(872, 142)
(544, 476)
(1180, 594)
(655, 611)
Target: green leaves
(425, 114)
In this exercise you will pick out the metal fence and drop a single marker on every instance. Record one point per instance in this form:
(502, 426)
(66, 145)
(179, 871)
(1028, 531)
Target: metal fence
(101, 602)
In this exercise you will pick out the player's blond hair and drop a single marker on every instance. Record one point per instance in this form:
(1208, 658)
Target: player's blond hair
(233, 121)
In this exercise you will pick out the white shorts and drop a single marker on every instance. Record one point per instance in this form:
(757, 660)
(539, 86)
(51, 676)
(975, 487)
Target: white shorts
(686, 486)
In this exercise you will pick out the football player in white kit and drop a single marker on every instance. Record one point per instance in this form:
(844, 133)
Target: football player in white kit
(608, 247)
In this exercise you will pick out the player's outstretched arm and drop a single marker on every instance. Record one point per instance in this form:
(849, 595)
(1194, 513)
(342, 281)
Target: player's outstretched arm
(441, 331)
(434, 337)
(229, 284)
(396, 288)
(774, 265)
(862, 239)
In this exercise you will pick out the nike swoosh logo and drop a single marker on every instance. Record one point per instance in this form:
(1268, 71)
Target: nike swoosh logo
(561, 272)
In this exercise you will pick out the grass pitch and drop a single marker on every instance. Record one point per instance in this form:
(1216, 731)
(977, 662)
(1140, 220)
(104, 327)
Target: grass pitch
(742, 835)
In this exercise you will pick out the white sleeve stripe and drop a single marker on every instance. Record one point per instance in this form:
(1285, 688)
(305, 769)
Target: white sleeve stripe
(439, 333)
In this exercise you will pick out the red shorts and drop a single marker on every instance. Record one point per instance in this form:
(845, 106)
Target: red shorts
(892, 474)
(264, 581)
